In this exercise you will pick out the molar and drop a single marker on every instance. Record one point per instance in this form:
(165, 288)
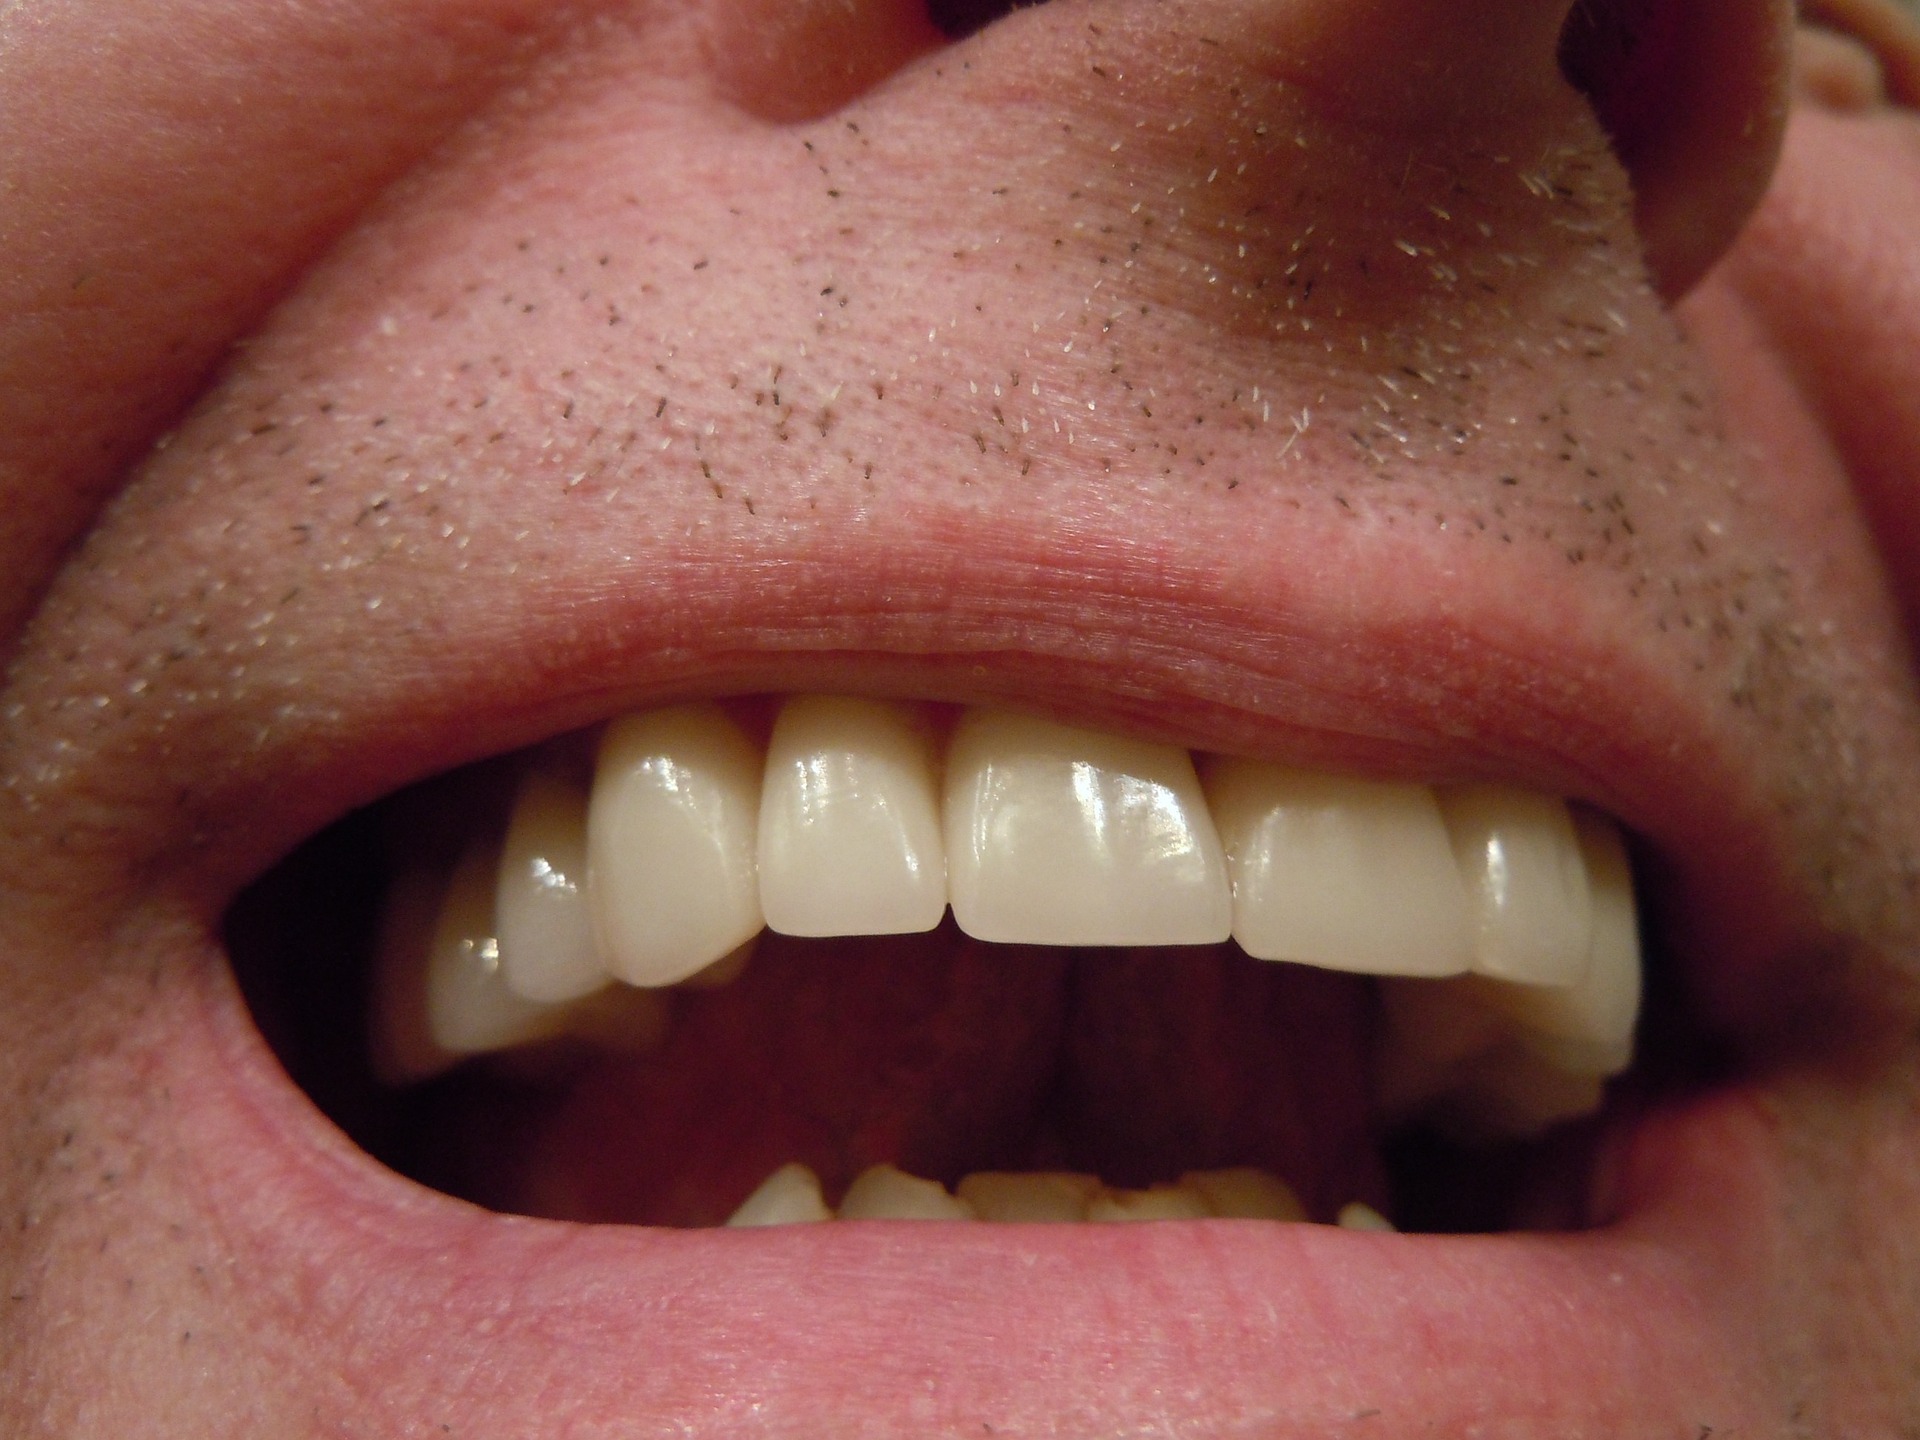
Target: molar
(850, 821)
(1060, 836)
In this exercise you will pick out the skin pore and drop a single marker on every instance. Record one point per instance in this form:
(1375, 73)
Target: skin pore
(391, 387)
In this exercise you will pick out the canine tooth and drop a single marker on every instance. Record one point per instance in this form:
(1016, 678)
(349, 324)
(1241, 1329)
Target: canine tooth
(850, 821)
(885, 1192)
(1357, 1215)
(1244, 1193)
(1156, 1202)
(540, 900)
(1587, 1028)
(1046, 1197)
(1532, 912)
(789, 1196)
(469, 1007)
(1338, 872)
(670, 842)
(1059, 836)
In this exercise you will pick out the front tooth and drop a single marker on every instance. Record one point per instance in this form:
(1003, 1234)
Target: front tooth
(850, 821)
(1059, 836)
(1342, 873)
(885, 1192)
(670, 842)
(540, 903)
(1039, 1198)
(469, 1007)
(1520, 857)
(789, 1196)
(1587, 1028)
(1157, 1202)
(1244, 1193)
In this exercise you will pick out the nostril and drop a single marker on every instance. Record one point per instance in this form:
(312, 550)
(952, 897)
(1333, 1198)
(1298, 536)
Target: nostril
(1693, 94)
(795, 60)
(959, 18)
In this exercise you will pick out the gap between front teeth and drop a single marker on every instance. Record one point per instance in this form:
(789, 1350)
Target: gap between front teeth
(1506, 918)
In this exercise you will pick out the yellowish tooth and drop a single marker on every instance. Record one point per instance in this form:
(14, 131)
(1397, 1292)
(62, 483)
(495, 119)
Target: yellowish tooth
(1244, 1193)
(540, 900)
(670, 842)
(1357, 1215)
(1520, 858)
(1038, 1198)
(1338, 872)
(1156, 1202)
(850, 838)
(1060, 836)
(1512, 1094)
(1430, 1029)
(789, 1196)
(885, 1192)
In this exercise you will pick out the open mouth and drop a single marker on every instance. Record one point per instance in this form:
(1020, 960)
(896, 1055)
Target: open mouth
(697, 965)
(1217, 670)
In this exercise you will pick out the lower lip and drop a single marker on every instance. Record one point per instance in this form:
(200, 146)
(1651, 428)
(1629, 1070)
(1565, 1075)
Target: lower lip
(493, 1324)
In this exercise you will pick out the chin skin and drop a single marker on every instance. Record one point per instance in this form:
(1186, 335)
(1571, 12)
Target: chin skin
(1280, 379)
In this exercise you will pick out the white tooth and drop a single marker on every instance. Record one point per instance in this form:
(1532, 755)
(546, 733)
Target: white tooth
(1156, 1202)
(1587, 1028)
(1057, 836)
(887, 1193)
(789, 1196)
(1244, 1193)
(1533, 914)
(1046, 1197)
(670, 842)
(540, 903)
(1338, 872)
(850, 821)
(1357, 1215)
(469, 1007)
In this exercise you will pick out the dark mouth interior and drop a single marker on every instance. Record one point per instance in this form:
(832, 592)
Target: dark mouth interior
(937, 1053)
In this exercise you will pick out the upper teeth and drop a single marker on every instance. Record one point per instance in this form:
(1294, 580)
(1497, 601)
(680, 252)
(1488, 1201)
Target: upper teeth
(853, 822)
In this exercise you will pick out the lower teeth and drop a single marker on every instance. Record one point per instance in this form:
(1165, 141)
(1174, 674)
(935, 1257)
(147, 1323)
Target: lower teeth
(791, 1195)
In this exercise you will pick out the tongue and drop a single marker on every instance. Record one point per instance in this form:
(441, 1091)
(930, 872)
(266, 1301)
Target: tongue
(944, 1056)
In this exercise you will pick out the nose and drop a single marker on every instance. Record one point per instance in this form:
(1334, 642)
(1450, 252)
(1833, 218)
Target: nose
(1692, 93)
